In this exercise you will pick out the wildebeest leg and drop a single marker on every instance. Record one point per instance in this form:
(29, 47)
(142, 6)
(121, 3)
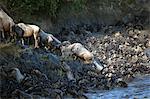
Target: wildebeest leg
(28, 40)
(36, 38)
(4, 39)
(12, 38)
(8, 37)
(0, 36)
(22, 42)
(11, 30)
(15, 38)
(3, 35)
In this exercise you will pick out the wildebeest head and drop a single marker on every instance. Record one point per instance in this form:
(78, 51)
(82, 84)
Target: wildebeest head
(65, 43)
(18, 30)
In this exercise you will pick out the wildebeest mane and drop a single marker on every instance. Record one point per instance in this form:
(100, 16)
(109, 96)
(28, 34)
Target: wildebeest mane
(3, 8)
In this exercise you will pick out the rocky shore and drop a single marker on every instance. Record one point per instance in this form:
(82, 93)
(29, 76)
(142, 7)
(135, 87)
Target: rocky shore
(124, 52)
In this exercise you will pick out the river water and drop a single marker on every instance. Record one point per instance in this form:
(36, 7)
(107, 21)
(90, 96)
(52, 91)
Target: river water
(139, 88)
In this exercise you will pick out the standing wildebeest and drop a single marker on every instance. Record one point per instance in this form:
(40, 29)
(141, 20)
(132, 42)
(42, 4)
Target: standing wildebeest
(25, 30)
(6, 24)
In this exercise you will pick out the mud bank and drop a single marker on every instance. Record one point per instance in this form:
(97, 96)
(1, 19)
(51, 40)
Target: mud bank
(138, 88)
(124, 53)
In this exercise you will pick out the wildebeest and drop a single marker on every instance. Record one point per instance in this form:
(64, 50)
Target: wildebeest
(26, 30)
(48, 40)
(6, 24)
(77, 49)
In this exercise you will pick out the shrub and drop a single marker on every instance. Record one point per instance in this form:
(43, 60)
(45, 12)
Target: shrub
(29, 7)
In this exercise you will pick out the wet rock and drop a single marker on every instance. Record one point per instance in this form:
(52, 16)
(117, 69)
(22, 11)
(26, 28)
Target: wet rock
(17, 75)
(121, 83)
(39, 74)
(147, 52)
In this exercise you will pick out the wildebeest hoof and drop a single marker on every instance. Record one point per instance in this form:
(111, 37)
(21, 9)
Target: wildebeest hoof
(36, 47)
(25, 46)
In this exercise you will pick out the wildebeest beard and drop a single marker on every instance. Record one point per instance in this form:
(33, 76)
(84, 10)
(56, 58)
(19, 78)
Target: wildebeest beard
(19, 31)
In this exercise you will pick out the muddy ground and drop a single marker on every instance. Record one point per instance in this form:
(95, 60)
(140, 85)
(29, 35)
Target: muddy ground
(123, 50)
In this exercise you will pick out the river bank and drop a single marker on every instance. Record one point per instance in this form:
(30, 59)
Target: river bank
(139, 88)
(124, 53)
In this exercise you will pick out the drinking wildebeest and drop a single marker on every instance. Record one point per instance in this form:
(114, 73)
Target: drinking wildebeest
(6, 24)
(77, 49)
(48, 40)
(25, 30)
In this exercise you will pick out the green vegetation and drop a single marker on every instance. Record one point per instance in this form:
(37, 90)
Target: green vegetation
(33, 6)
(48, 7)
(29, 10)
(51, 7)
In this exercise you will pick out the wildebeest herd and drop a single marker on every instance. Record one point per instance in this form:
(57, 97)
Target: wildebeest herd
(20, 31)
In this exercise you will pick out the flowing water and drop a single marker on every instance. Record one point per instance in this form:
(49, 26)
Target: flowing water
(139, 88)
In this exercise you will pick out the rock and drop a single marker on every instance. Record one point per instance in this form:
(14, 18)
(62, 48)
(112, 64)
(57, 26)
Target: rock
(3, 74)
(148, 43)
(21, 94)
(121, 55)
(118, 34)
(17, 75)
(39, 74)
(147, 52)
(82, 97)
(134, 59)
(121, 83)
